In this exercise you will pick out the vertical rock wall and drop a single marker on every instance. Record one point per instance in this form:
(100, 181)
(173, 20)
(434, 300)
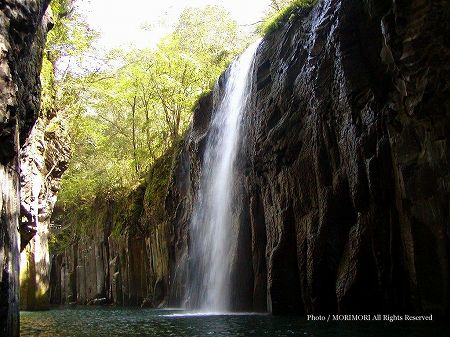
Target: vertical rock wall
(344, 159)
(124, 269)
(22, 37)
(343, 169)
(120, 254)
(43, 160)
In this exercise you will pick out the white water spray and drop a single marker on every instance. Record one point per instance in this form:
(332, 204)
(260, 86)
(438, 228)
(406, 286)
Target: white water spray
(209, 287)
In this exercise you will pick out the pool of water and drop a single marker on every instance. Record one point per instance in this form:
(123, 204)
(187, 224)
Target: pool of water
(113, 321)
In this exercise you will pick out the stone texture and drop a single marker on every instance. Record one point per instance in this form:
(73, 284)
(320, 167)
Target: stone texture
(344, 163)
(43, 160)
(22, 37)
(126, 270)
(122, 258)
(342, 174)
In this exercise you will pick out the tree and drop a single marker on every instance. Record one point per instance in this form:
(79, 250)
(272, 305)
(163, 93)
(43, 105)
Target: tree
(278, 5)
(131, 112)
(280, 12)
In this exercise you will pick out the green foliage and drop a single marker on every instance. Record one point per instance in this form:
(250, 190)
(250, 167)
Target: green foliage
(135, 212)
(157, 183)
(212, 37)
(127, 117)
(203, 95)
(283, 12)
(48, 86)
(60, 239)
(70, 35)
(127, 213)
(84, 221)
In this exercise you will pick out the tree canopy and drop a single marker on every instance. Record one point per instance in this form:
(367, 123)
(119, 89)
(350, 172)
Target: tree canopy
(125, 115)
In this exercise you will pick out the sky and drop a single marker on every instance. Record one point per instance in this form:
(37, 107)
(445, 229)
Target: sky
(121, 22)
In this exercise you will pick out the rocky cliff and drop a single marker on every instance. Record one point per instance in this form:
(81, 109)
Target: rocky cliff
(23, 28)
(117, 252)
(43, 159)
(342, 176)
(343, 164)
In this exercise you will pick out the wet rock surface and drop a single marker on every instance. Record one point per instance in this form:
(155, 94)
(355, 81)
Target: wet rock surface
(344, 164)
(23, 28)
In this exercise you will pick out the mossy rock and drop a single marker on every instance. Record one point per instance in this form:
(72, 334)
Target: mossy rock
(158, 180)
(285, 15)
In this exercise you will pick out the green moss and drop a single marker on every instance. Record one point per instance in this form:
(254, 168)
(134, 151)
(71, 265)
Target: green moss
(48, 86)
(157, 181)
(58, 241)
(202, 96)
(127, 212)
(131, 212)
(286, 14)
(53, 127)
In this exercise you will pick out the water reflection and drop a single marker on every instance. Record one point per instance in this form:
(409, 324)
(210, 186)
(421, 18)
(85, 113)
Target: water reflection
(111, 321)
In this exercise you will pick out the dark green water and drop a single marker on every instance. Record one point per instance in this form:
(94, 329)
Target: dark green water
(113, 321)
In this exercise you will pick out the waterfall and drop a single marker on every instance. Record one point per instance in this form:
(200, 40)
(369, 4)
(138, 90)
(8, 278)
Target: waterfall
(211, 235)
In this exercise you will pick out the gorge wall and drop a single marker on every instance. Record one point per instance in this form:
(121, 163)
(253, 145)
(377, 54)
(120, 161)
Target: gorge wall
(43, 159)
(23, 27)
(342, 171)
(120, 252)
(344, 164)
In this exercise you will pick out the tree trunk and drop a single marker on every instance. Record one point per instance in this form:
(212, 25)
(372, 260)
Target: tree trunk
(133, 110)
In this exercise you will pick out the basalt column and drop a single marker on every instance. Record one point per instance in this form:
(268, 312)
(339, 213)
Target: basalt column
(345, 164)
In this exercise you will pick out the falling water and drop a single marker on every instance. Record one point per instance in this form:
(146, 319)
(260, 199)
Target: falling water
(211, 234)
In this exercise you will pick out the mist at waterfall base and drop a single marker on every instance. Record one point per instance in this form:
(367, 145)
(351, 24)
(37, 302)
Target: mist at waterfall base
(211, 234)
(91, 321)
